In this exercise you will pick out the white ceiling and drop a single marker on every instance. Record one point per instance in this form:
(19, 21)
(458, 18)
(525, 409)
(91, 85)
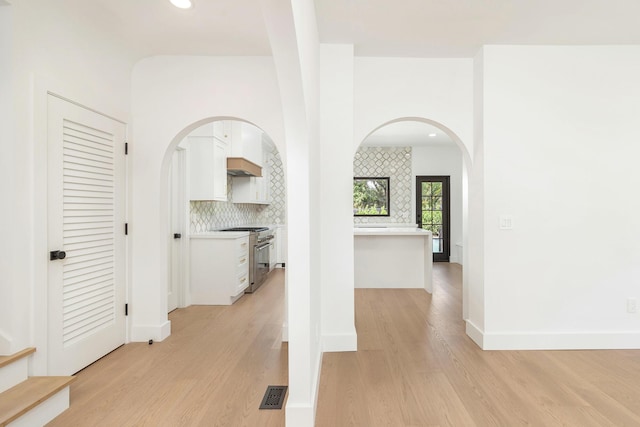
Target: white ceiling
(156, 27)
(407, 134)
(412, 28)
(457, 28)
(418, 28)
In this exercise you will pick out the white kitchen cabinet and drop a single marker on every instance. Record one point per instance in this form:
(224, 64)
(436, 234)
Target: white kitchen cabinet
(219, 267)
(246, 142)
(254, 189)
(207, 168)
(224, 130)
(281, 246)
(273, 250)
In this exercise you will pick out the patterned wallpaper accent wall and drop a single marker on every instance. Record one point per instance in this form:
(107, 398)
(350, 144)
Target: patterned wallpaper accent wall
(211, 215)
(394, 162)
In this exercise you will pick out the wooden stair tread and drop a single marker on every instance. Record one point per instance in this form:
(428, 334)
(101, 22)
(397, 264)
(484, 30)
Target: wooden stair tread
(6, 360)
(18, 400)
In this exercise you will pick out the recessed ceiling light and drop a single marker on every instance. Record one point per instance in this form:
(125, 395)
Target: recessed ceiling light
(182, 4)
(433, 135)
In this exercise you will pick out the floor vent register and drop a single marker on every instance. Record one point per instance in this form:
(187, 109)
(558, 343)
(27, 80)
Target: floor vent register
(274, 397)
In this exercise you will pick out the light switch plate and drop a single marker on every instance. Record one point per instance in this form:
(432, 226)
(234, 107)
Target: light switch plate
(506, 222)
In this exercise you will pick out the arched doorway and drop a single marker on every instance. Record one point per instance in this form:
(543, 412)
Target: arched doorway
(214, 197)
(414, 152)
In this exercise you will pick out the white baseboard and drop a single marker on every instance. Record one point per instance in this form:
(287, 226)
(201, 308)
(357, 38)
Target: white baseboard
(299, 415)
(475, 333)
(303, 414)
(562, 341)
(340, 342)
(142, 333)
(553, 340)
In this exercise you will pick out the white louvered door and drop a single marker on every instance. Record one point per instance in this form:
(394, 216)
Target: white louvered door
(86, 216)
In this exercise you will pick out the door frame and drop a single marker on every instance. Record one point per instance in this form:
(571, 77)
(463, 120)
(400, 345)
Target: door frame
(43, 87)
(183, 215)
(446, 211)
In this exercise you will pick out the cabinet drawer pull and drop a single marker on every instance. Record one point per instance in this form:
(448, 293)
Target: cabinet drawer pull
(243, 260)
(244, 279)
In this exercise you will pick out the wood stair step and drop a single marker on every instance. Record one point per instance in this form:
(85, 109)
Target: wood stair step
(25, 396)
(7, 360)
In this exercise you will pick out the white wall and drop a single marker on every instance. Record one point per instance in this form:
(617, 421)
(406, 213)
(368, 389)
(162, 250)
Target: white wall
(474, 245)
(336, 237)
(561, 149)
(440, 90)
(51, 50)
(442, 160)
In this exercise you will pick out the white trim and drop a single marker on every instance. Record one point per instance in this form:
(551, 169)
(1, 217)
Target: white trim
(142, 333)
(85, 107)
(316, 381)
(40, 310)
(304, 415)
(285, 332)
(562, 341)
(475, 333)
(340, 342)
(299, 416)
(553, 340)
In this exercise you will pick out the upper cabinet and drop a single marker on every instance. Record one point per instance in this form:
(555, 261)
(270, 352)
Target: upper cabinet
(255, 189)
(247, 142)
(207, 164)
(209, 148)
(223, 130)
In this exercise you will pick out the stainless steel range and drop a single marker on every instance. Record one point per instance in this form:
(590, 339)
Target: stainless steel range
(260, 242)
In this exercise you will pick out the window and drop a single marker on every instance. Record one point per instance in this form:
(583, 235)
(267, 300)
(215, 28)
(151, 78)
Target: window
(370, 196)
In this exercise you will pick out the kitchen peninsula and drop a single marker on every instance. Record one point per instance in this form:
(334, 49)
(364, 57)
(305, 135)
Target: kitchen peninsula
(394, 257)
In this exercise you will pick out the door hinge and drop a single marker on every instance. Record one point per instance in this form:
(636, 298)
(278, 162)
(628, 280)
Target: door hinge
(126, 228)
(126, 148)
(126, 309)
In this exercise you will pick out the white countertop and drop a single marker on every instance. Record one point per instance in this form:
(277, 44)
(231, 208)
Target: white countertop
(391, 231)
(220, 235)
(231, 234)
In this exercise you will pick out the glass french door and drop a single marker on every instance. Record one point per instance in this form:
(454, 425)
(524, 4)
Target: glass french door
(432, 212)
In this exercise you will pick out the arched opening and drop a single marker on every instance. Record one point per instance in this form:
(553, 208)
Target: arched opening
(411, 150)
(239, 201)
(222, 199)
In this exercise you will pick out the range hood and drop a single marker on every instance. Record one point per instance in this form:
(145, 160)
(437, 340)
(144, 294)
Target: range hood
(239, 166)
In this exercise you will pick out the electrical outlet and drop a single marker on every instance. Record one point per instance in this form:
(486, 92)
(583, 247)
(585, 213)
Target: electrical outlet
(632, 305)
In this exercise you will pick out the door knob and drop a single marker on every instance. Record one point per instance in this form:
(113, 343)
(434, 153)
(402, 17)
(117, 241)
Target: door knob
(54, 255)
(177, 235)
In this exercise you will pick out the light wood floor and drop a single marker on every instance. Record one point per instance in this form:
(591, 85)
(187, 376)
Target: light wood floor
(416, 367)
(212, 371)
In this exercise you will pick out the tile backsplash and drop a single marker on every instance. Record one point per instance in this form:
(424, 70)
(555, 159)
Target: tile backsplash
(211, 215)
(394, 162)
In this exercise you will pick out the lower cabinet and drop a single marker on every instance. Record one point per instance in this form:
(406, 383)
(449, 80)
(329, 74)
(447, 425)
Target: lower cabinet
(281, 253)
(219, 266)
